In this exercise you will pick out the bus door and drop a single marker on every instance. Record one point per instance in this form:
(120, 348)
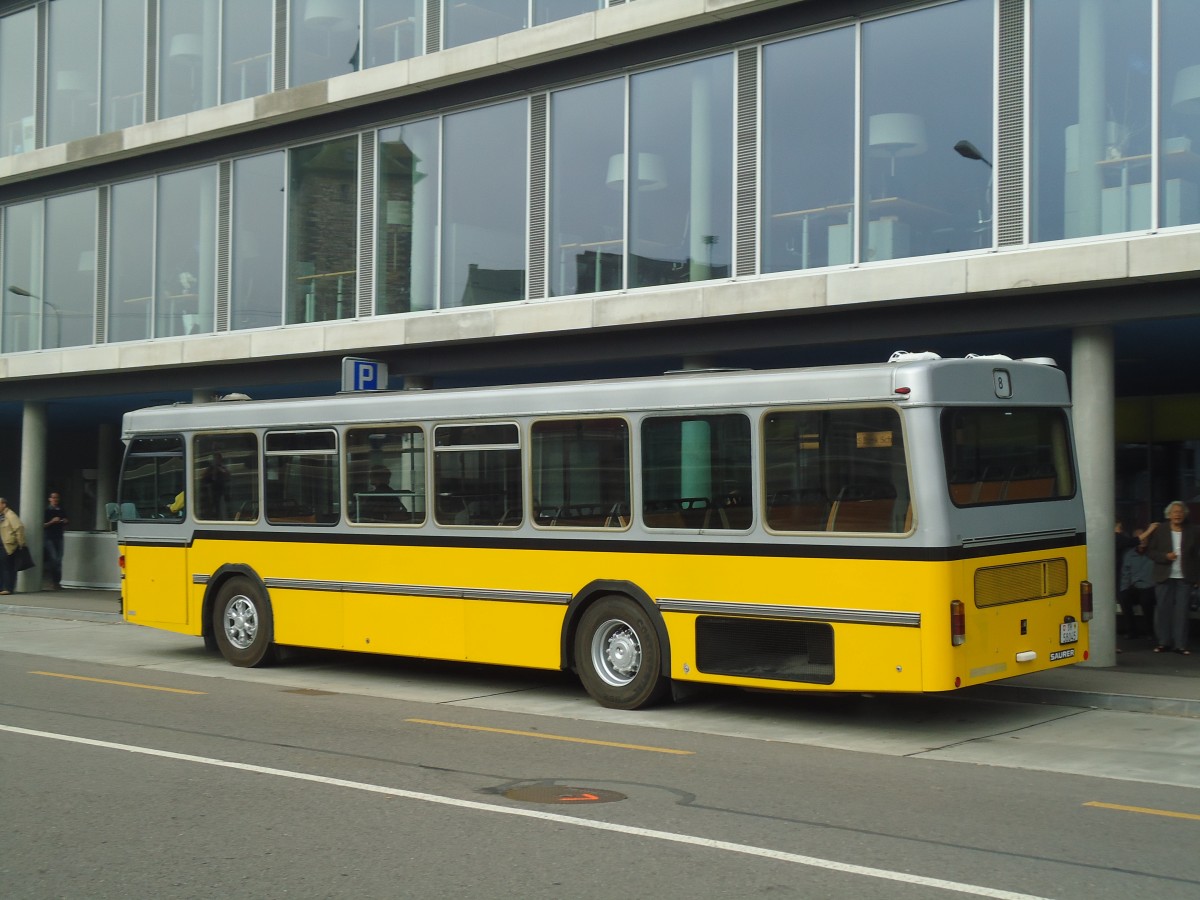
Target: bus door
(154, 532)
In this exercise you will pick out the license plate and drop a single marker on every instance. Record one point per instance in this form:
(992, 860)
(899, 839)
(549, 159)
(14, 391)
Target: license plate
(1068, 632)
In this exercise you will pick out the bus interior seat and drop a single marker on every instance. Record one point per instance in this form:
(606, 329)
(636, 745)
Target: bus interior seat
(1030, 483)
(992, 483)
(802, 510)
(618, 516)
(663, 514)
(863, 506)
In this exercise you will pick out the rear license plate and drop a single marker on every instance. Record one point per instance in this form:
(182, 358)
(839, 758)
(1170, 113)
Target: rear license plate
(1068, 632)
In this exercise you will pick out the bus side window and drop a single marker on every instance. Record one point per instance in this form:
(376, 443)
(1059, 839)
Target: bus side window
(696, 472)
(385, 475)
(836, 470)
(477, 474)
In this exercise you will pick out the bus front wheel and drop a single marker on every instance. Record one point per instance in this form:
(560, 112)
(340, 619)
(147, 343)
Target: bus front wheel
(618, 656)
(243, 624)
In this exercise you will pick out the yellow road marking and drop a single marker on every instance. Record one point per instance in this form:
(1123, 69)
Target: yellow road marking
(145, 687)
(1144, 810)
(553, 737)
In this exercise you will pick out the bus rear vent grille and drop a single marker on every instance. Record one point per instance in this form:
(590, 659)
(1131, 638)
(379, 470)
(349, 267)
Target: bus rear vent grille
(1024, 581)
(755, 648)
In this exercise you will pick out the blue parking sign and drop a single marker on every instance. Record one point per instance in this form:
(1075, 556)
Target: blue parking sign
(364, 374)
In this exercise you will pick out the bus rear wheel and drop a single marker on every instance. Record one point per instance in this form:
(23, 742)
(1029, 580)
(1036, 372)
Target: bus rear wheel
(618, 655)
(243, 624)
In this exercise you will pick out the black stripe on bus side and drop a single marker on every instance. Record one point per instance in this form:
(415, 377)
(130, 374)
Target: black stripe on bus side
(814, 550)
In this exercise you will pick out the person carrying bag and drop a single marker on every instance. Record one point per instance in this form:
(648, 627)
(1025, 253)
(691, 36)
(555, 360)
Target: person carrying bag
(17, 557)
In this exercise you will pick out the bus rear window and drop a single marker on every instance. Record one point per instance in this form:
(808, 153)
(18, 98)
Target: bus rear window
(996, 455)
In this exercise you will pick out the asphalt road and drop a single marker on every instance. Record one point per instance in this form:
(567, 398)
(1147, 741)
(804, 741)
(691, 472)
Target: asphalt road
(134, 765)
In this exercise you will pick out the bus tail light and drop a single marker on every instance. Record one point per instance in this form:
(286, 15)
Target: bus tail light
(1085, 601)
(958, 623)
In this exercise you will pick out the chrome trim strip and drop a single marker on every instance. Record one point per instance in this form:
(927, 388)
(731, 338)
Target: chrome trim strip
(777, 611)
(200, 579)
(419, 590)
(1057, 533)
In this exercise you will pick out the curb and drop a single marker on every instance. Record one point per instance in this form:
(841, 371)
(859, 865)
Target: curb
(51, 612)
(1163, 706)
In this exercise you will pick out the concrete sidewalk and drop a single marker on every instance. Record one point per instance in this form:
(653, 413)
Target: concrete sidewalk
(1142, 681)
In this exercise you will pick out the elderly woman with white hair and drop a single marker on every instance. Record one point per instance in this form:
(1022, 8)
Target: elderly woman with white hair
(1176, 554)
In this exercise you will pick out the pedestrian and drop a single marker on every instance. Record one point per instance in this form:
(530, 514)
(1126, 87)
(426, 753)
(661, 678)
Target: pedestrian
(1176, 553)
(1136, 585)
(52, 548)
(12, 536)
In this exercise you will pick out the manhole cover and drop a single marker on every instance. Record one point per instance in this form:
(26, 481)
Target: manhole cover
(561, 793)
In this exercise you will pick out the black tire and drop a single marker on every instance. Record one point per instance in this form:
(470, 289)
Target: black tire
(617, 654)
(243, 624)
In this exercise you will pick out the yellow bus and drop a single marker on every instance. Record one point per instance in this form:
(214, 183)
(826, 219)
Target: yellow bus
(913, 525)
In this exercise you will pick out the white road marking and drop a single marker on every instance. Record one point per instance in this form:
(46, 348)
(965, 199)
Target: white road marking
(477, 806)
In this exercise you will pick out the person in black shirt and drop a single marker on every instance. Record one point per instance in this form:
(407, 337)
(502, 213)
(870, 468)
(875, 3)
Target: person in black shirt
(52, 547)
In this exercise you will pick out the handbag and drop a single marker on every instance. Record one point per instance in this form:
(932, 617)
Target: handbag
(23, 558)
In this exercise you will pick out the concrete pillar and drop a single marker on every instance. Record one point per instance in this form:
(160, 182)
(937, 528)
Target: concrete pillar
(1093, 396)
(33, 490)
(107, 462)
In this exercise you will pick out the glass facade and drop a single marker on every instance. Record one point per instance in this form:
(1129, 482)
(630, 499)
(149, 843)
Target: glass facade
(407, 218)
(1179, 113)
(246, 55)
(23, 285)
(258, 227)
(322, 213)
(187, 55)
(678, 173)
(73, 67)
(1091, 117)
(926, 86)
(69, 298)
(808, 151)
(587, 212)
(484, 205)
(323, 39)
(891, 158)
(130, 279)
(185, 252)
(122, 61)
(18, 42)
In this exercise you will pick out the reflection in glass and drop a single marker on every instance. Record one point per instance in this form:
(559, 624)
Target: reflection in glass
(131, 243)
(22, 322)
(73, 76)
(1179, 113)
(394, 30)
(553, 10)
(324, 40)
(69, 299)
(406, 222)
(808, 151)
(586, 132)
(681, 141)
(484, 205)
(246, 61)
(1091, 118)
(17, 49)
(322, 231)
(187, 56)
(256, 286)
(481, 19)
(123, 61)
(927, 84)
(185, 257)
